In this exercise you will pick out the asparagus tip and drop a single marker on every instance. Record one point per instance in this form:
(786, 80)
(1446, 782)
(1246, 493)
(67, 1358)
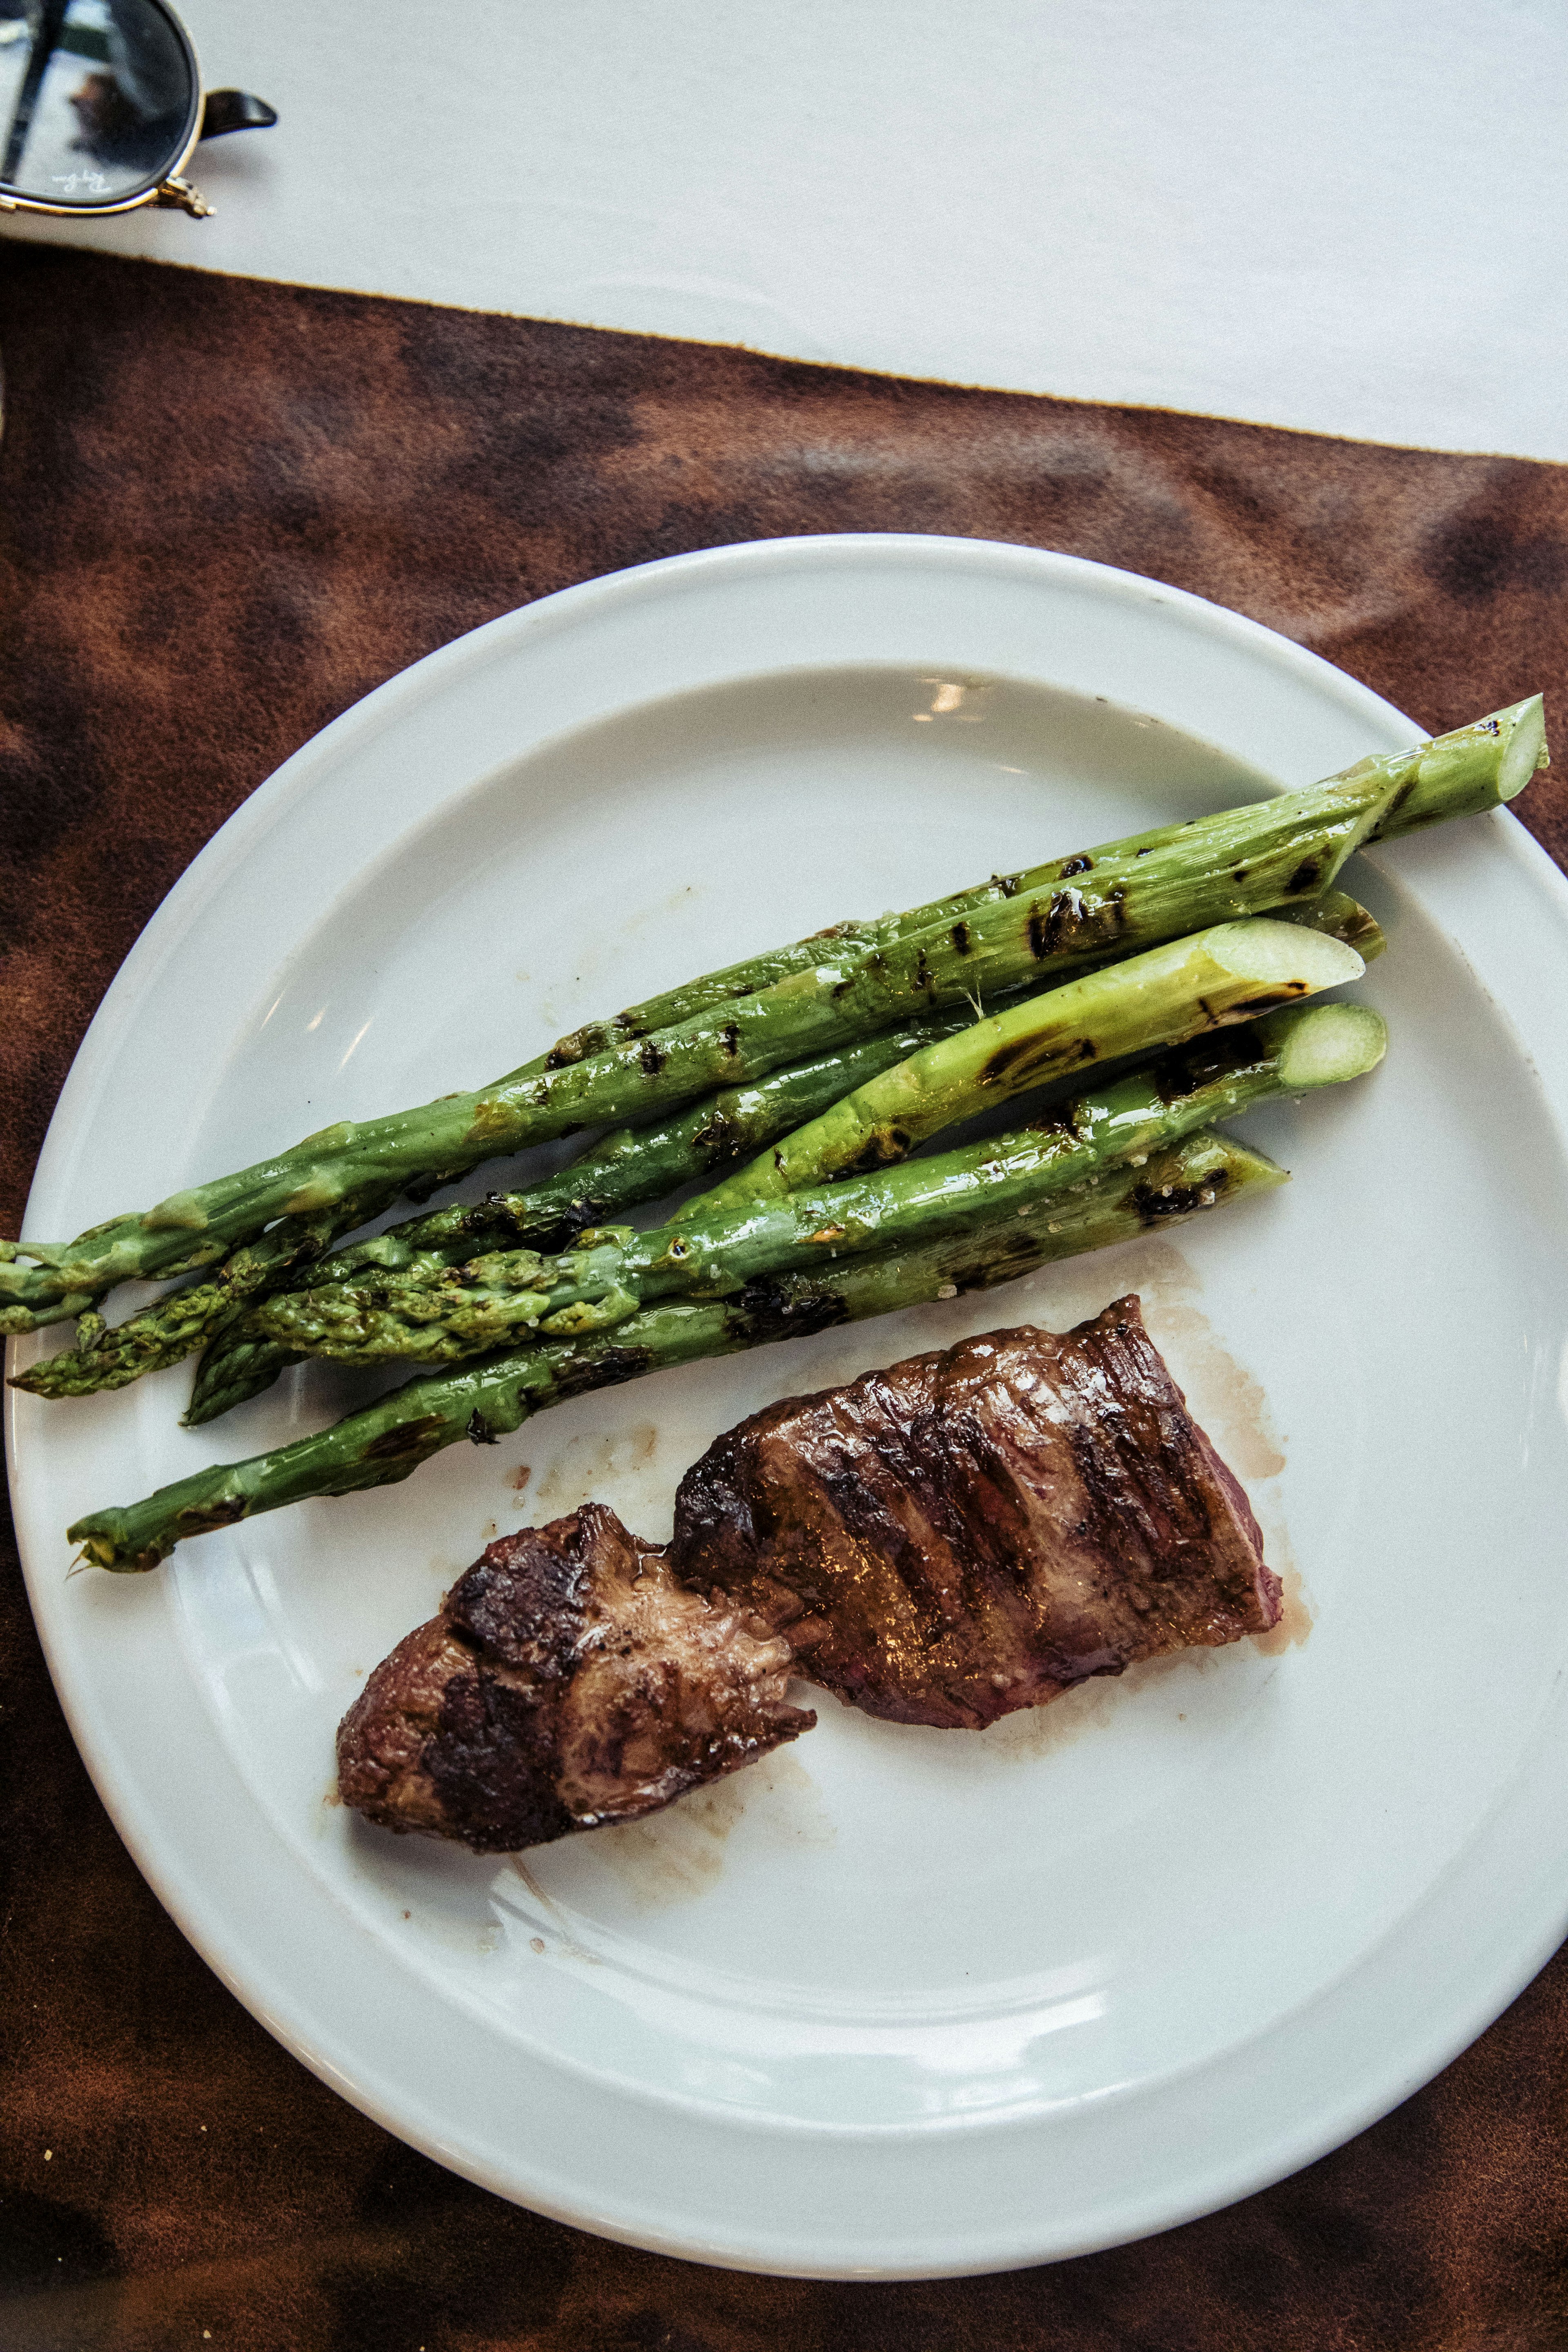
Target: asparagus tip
(100, 1547)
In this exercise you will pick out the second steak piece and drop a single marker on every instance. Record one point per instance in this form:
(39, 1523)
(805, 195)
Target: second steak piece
(980, 1528)
(568, 1681)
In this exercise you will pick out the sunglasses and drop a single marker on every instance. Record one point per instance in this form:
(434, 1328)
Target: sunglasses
(102, 107)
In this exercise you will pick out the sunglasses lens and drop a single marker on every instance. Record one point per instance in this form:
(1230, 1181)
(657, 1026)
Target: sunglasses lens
(97, 98)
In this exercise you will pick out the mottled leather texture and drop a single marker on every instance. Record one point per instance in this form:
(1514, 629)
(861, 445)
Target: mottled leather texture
(227, 510)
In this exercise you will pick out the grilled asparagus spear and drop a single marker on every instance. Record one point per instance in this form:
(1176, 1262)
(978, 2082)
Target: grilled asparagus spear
(1441, 779)
(393, 1437)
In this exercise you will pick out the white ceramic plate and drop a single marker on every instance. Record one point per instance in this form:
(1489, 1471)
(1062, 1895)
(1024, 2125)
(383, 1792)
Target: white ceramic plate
(899, 2003)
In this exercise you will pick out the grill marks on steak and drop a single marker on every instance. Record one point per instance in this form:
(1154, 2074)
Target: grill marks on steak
(568, 1681)
(980, 1528)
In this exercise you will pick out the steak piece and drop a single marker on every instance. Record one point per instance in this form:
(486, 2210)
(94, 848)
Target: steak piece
(980, 1528)
(568, 1681)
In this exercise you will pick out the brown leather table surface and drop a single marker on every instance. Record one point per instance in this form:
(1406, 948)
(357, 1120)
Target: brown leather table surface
(227, 510)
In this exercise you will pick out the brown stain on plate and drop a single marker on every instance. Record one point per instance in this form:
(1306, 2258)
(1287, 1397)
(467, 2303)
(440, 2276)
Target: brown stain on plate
(1093, 1707)
(1228, 1402)
(1224, 1396)
(1297, 1614)
(679, 1854)
(588, 1465)
(1225, 1399)
(566, 1945)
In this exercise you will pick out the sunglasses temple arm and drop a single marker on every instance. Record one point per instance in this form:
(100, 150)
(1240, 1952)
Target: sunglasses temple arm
(235, 110)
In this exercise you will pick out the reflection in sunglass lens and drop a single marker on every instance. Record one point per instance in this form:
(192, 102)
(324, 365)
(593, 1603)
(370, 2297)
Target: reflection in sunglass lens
(97, 98)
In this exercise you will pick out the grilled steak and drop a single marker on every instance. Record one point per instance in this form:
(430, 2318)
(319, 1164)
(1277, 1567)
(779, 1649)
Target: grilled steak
(569, 1680)
(979, 1529)
(969, 1532)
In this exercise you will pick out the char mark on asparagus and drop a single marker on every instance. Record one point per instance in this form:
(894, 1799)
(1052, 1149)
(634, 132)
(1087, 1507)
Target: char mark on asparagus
(979, 1529)
(568, 1681)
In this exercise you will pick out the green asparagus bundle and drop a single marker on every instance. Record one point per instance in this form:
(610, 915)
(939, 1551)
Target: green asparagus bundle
(629, 1166)
(622, 1169)
(250, 1354)
(483, 1400)
(715, 1247)
(1010, 933)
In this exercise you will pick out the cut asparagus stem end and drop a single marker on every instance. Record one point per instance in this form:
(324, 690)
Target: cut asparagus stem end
(1525, 727)
(1283, 957)
(1509, 745)
(1324, 1045)
(1470, 770)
